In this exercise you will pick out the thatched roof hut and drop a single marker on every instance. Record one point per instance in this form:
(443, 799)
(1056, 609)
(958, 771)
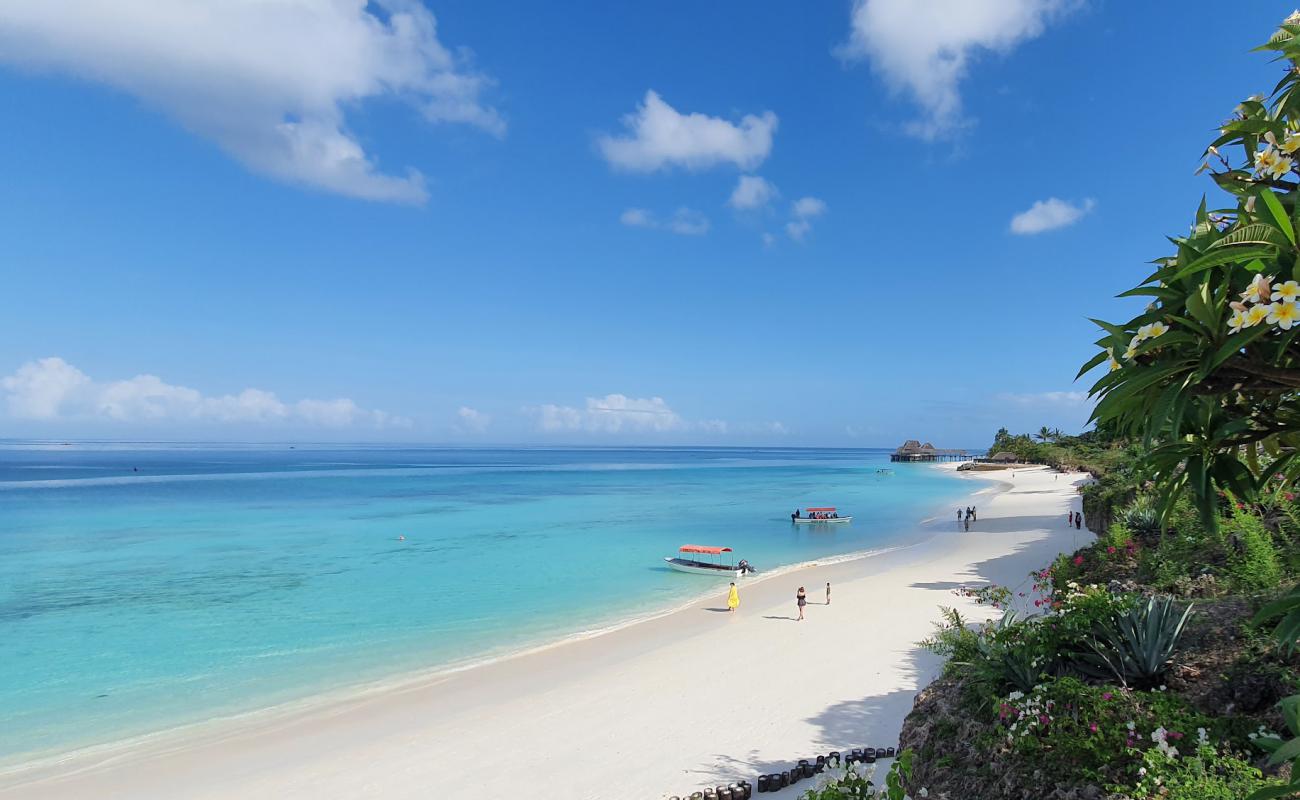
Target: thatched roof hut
(1004, 457)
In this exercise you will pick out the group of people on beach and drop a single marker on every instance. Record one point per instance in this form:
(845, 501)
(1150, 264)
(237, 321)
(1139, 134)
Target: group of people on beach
(800, 599)
(1076, 519)
(967, 516)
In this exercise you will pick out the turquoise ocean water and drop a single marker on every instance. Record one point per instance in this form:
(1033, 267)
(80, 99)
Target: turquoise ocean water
(146, 586)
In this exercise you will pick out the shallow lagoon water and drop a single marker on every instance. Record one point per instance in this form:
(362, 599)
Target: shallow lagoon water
(146, 586)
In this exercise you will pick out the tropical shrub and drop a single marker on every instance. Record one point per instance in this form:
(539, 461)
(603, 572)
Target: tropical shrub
(1207, 375)
(1107, 735)
(1251, 556)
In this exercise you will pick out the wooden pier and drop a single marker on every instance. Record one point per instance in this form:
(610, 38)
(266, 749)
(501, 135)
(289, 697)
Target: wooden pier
(913, 450)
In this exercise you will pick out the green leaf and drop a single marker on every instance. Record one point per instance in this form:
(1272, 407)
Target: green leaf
(1092, 364)
(1253, 233)
(1275, 209)
(1218, 258)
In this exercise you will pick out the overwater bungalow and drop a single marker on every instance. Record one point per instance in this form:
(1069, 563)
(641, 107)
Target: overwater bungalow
(913, 450)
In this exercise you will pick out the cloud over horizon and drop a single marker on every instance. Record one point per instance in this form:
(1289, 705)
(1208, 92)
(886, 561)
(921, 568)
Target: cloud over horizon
(659, 136)
(271, 83)
(51, 389)
(610, 414)
(1049, 214)
(924, 48)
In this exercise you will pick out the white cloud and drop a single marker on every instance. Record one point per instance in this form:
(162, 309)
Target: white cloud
(778, 428)
(271, 82)
(660, 136)
(52, 389)
(637, 218)
(925, 47)
(768, 239)
(804, 210)
(712, 426)
(471, 420)
(751, 192)
(684, 221)
(1046, 399)
(612, 413)
(806, 207)
(1049, 214)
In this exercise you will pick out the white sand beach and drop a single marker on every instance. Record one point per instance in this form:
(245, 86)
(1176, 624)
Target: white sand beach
(665, 707)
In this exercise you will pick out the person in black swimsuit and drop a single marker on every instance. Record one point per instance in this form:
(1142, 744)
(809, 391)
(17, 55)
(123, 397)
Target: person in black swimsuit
(802, 599)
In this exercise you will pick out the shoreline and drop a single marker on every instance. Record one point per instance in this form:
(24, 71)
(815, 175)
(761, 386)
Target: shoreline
(175, 751)
(324, 698)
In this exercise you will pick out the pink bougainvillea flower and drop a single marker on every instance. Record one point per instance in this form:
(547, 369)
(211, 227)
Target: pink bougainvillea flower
(1092, 727)
(1106, 695)
(1078, 561)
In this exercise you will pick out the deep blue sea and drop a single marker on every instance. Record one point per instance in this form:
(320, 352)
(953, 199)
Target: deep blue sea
(146, 586)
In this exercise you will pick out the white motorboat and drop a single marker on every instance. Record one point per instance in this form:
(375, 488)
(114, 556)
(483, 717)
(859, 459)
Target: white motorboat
(819, 516)
(715, 568)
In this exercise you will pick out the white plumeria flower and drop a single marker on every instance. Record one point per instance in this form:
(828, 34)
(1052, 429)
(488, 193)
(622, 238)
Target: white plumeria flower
(1287, 291)
(1266, 161)
(1284, 315)
(1143, 333)
(1235, 323)
(1291, 144)
(1259, 290)
(1157, 329)
(1256, 315)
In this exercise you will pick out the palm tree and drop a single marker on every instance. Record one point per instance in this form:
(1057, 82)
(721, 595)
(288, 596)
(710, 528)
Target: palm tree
(1045, 433)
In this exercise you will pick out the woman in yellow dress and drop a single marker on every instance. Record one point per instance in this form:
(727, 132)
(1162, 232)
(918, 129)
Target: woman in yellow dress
(733, 598)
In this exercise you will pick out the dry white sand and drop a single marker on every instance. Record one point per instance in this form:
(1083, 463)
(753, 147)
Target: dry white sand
(695, 698)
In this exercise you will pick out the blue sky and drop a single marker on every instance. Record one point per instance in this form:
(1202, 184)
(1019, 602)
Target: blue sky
(471, 222)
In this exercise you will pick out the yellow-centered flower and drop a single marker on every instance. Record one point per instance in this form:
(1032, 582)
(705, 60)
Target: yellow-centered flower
(1256, 315)
(1266, 161)
(1287, 292)
(1284, 315)
(1259, 290)
(1157, 329)
(1237, 321)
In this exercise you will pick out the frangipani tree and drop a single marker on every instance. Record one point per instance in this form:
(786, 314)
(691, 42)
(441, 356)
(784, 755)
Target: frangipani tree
(1209, 373)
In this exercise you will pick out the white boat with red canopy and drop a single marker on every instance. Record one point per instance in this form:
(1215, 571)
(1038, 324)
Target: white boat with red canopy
(818, 515)
(713, 567)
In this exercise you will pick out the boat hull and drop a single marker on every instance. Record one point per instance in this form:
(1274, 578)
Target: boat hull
(698, 568)
(807, 521)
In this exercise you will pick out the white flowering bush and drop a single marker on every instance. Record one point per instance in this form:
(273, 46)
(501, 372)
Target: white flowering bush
(1208, 373)
(843, 781)
(1136, 744)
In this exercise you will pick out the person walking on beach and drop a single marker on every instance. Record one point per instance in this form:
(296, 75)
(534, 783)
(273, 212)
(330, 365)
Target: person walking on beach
(968, 524)
(733, 598)
(828, 592)
(801, 598)
(974, 514)
(1078, 521)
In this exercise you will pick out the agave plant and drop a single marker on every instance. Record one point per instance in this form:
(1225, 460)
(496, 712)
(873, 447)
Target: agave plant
(1142, 518)
(1135, 648)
